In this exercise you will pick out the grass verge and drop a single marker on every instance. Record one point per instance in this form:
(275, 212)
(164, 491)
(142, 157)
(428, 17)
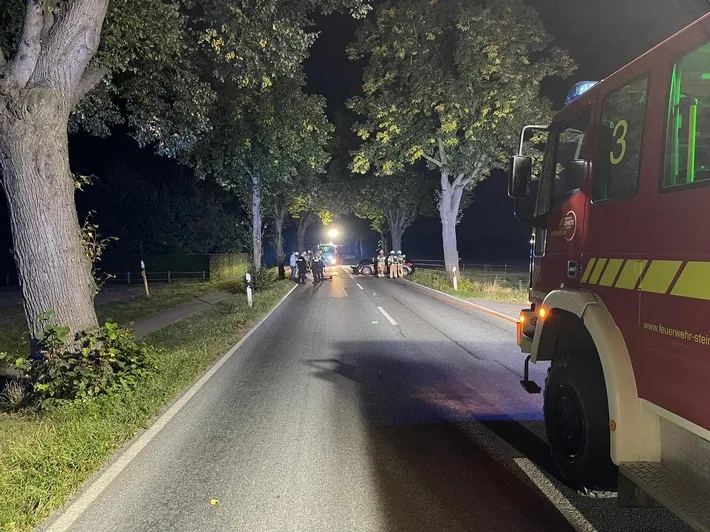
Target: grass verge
(45, 458)
(473, 288)
(14, 337)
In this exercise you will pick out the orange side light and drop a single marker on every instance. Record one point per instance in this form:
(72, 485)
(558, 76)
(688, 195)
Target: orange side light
(542, 313)
(522, 318)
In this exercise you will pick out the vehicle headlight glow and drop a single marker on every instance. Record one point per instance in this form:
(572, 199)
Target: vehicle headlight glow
(332, 261)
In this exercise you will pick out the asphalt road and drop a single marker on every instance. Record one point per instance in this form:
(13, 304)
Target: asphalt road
(336, 416)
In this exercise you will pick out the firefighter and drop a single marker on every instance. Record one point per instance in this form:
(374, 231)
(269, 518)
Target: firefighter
(302, 265)
(392, 264)
(400, 264)
(317, 268)
(380, 260)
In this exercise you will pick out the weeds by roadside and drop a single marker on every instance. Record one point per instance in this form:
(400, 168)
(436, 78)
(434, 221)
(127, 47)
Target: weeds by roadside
(471, 288)
(45, 458)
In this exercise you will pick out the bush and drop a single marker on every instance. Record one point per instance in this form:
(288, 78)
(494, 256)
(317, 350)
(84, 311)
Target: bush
(13, 396)
(91, 364)
(262, 279)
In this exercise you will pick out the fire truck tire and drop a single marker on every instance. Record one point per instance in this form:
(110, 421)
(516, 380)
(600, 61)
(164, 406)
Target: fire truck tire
(577, 420)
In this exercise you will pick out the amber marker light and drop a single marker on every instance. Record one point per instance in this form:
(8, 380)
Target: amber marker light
(542, 313)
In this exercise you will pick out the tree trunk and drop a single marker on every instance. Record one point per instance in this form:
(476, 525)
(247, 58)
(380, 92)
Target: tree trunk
(279, 216)
(449, 210)
(256, 231)
(304, 222)
(53, 267)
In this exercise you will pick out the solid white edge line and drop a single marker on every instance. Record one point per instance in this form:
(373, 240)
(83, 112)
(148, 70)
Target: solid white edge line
(389, 318)
(359, 286)
(565, 507)
(92, 492)
(473, 305)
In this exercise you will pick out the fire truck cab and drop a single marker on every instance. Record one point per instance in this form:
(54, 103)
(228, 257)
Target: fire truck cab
(620, 279)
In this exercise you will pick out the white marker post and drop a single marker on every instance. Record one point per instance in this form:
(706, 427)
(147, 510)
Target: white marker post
(455, 279)
(250, 299)
(145, 279)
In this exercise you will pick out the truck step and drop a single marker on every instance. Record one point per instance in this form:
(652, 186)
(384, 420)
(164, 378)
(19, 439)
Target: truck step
(683, 498)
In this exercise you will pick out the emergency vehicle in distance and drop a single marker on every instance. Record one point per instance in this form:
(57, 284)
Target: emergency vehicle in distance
(331, 254)
(620, 279)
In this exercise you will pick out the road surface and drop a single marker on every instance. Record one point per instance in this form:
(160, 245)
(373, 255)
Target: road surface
(361, 405)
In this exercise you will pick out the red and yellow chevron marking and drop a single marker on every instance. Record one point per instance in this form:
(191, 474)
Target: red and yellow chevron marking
(674, 277)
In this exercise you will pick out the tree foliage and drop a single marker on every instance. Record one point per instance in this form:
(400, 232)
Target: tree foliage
(451, 80)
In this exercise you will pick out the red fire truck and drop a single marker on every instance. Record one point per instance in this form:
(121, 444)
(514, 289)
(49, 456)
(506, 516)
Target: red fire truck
(620, 279)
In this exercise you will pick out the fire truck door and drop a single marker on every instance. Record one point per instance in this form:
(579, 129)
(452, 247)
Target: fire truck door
(558, 246)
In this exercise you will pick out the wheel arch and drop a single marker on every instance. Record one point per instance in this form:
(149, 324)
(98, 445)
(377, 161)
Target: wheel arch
(622, 395)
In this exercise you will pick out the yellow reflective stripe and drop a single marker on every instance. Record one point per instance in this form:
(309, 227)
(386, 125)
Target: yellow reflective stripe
(588, 269)
(694, 281)
(598, 267)
(659, 276)
(630, 274)
(610, 273)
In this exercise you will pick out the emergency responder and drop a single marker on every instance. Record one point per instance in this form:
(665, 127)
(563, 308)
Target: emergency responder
(381, 259)
(302, 265)
(400, 264)
(317, 268)
(392, 264)
(292, 262)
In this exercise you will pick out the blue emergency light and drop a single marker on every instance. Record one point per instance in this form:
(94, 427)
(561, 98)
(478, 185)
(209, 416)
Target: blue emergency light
(578, 89)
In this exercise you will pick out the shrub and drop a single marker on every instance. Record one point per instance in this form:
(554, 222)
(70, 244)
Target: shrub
(91, 364)
(262, 279)
(13, 396)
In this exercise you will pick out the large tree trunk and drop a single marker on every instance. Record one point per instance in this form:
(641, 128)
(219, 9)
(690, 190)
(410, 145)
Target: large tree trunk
(279, 217)
(398, 221)
(257, 230)
(49, 73)
(449, 211)
(305, 220)
(54, 270)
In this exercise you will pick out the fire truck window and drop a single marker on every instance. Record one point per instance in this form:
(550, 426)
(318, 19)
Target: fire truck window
(565, 163)
(618, 161)
(687, 157)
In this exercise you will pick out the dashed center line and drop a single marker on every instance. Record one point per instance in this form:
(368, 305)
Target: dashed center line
(359, 286)
(389, 318)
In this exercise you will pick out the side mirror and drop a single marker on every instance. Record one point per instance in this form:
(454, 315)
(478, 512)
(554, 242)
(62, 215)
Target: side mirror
(519, 176)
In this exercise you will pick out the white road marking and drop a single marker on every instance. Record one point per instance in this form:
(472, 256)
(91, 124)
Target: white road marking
(344, 292)
(566, 508)
(359, 286)
(389, 318)
(79, 506)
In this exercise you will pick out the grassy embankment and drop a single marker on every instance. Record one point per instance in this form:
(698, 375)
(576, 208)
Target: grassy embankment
(473, 286)
(44, 458)
(13, 336)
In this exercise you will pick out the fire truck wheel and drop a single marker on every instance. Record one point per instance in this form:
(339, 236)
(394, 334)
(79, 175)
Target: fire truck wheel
(577, 420)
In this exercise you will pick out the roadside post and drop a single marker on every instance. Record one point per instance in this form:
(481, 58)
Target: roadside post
(454, 278)
(250, 299)
(145, 279)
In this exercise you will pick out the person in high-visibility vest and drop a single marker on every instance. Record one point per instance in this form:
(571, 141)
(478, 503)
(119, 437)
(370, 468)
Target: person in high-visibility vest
(381, 260)
(392, 263)
(400, 264)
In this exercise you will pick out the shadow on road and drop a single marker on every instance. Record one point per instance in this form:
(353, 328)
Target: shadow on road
(432, 476)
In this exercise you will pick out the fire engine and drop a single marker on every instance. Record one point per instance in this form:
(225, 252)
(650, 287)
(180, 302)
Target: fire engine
(620, 278)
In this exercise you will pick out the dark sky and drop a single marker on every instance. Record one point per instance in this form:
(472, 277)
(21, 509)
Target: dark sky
(601, 35)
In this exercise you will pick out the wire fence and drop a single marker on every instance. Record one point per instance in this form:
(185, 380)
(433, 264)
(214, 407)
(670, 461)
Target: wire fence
(479, 270)
(129, 278)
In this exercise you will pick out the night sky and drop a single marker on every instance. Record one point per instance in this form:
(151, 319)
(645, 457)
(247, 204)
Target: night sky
(602, 36)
